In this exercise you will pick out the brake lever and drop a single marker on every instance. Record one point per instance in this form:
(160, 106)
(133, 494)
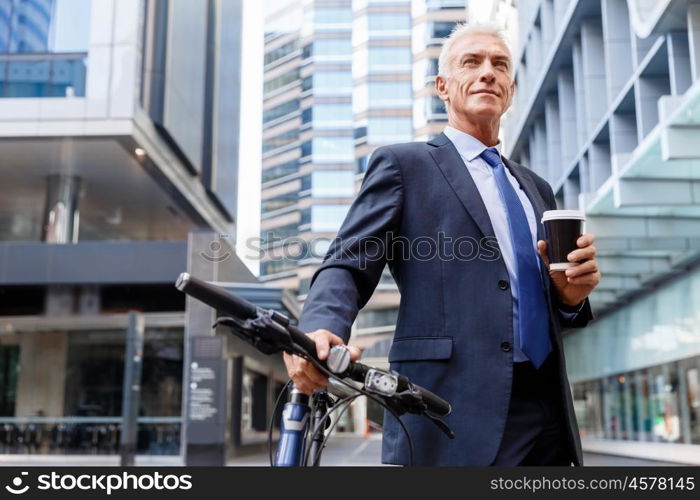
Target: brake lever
(263, 333)
(442, 425)
(410, 401)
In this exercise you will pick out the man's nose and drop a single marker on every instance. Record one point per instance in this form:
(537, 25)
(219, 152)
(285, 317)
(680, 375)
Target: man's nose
(487, 74)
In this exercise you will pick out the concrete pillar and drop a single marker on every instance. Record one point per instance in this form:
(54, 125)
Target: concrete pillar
(205, 373)
(42, 374)
(61, 215)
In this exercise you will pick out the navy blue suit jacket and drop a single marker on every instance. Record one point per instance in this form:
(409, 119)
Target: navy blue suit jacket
(454, 330)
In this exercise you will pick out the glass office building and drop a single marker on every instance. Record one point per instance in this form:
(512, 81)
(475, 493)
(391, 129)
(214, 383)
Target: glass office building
(341, 79)
(119, 136)
(607, 110)
(308, 153)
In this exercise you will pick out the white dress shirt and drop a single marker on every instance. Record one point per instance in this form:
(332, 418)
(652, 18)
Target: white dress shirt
(470, 149)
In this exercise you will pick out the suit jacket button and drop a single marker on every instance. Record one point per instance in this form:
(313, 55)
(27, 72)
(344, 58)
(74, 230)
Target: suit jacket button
(503, 284)
(506, 346)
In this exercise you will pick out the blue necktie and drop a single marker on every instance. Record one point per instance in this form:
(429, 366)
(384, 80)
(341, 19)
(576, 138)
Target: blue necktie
(533, 313)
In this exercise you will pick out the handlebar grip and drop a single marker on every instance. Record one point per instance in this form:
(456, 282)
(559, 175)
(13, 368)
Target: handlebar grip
(215, 297)
(304, 341)
(435, 403)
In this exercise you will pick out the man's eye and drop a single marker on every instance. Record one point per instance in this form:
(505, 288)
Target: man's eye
(470, 61)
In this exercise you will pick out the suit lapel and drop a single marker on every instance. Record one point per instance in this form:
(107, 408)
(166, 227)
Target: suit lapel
(457, 175)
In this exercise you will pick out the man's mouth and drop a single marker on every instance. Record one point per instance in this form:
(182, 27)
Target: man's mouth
(485, 91)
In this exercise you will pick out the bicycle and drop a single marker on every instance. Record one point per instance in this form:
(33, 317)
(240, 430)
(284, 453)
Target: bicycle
(271, 332)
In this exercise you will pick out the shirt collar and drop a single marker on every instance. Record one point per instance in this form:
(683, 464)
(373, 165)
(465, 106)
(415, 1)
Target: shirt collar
(467, 146)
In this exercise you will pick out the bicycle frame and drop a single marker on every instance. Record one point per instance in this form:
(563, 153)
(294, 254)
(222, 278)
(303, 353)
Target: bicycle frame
(294, 429)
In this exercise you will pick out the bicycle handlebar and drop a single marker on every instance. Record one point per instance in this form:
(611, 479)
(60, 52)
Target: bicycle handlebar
(241, 309)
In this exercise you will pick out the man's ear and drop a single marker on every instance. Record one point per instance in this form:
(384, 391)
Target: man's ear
(511, 88)
(441, 87)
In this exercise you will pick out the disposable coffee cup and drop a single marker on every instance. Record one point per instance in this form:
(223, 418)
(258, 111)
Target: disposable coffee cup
(562, 228)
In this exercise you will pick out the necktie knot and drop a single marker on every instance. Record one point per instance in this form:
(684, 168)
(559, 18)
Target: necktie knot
(492, 157)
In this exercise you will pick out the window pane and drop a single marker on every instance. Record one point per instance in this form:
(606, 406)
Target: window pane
(281, 52)
(388, 130)
(332, 183)
(28, 26)
(333, 149)
(332, 47)
(389, 58)
(389, 22)
(332, 115)
(330, 15)
(327, 218)
(278, 171)
(57, 33)
(281, 110)
(332, 80)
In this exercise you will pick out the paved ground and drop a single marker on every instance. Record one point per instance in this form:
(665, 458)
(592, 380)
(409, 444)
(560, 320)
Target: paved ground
(341, 451)
(354, 451)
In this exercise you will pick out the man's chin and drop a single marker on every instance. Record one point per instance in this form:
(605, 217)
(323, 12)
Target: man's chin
(484, 113)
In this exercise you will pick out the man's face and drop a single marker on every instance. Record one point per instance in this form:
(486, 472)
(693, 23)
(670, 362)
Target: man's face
(479, 86)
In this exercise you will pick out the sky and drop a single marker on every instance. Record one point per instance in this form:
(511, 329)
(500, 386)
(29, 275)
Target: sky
(248, 220)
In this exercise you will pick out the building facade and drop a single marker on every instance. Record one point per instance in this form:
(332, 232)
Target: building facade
(607, 111)
(119, 138)
(348, 77)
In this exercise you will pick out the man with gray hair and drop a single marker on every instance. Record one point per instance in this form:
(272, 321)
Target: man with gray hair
(481, 329)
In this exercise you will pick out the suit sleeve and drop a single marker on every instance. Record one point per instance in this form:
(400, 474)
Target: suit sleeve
(584, 314)
(354, 262)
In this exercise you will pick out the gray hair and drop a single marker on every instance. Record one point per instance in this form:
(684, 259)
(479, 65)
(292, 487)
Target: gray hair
(464, 29)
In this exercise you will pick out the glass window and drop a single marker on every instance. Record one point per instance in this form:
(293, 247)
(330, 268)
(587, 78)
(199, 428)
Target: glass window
(665, 418)
(440, 29)
(9, 371)
(387, 129)
(44, 26)
(332, 183)
(381, 21)
(432, 68)
(389, 90)
(327, 218)
(280, 140)
(332, 47)
(278, 202)
(389, 94)
(282, 170)
(362, 164)
(333, 149)
(280, 52)
(693, 396)
(332, 82)
(81, 374)
(280, 111)
(281, 81)
(369, 318)
(445, 4)
(277, 266)
(436, 106)
(307, 115)
(307, 83)
(389, 58)
(58, 30)
(332, 115)
(332, 15)
(276, 233)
